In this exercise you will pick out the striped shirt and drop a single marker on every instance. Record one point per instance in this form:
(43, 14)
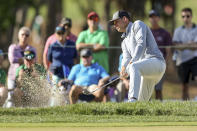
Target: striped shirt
(15, 52)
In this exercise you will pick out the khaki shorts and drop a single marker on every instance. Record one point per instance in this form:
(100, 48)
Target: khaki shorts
(90, 88)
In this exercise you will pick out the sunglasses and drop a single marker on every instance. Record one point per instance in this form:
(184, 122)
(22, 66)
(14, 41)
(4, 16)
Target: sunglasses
(27, 35)
(29, 60)
(85, 57)
(94, 18)
(69, 25)
(60, 33)
(187, 16)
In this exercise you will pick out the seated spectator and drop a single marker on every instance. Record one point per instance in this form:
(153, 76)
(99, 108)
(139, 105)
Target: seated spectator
(15, 55)
(28, 82)
(61, 57)
(88, 76)
(3, 89)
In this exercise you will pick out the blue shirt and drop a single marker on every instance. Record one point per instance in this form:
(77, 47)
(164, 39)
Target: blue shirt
(120, 63)
(86, 76)
(60, 55)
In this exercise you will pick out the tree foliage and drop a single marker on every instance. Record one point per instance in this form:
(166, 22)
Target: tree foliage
(7, 11)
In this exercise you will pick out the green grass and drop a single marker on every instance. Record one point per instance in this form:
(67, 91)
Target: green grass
(96, 113)
(125, 124)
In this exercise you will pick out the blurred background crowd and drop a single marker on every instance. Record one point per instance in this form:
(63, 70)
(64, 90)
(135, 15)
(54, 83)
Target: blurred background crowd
(50, 40)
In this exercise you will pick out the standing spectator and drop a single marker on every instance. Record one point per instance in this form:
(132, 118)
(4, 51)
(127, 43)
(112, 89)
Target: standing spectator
(186, 56)
(61, 57)
(15, 55)
(142, 58)
(67, 24)
(88, 76)
(96, 39)
(162, 38)
(3, 90)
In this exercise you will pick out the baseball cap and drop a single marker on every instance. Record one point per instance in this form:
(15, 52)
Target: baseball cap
(29, 54)
(92, 14)
(153, 13)
(66, 21)
(60, 30)
(119, 14)
(85, 52)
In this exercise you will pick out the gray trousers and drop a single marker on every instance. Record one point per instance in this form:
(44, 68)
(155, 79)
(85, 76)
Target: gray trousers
(144, 75)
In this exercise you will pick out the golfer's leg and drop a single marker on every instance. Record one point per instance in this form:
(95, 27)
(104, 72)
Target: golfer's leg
(146, 89)
(149, 68)
(152, 72)
(135, 80)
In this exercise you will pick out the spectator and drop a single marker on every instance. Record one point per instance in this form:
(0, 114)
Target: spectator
(61, 57)
(3, 89)
(67, 24)
(185, 37)
(162, 38)
(28, 76)
(96, 39)
(88, 76)
(15, 55)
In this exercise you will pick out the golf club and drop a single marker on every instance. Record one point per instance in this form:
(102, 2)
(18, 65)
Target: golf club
(86, 92)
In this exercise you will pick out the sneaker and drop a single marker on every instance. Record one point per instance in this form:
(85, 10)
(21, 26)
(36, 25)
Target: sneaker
(132, 100)
(8, 104)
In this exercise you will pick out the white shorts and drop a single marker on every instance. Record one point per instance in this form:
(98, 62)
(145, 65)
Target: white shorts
(11, 84)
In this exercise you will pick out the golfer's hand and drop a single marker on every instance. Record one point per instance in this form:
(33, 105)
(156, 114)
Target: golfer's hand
(123, 73)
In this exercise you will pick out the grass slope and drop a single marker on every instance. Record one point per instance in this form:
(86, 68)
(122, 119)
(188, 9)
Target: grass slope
(99, 113)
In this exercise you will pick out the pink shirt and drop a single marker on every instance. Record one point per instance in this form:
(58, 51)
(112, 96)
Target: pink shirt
(15, 52)
(53, 39)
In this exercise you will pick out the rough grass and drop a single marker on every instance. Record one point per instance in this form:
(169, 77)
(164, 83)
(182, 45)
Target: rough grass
(104, 113)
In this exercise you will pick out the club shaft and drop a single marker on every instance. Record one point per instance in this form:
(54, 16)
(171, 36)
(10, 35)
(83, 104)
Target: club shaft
(104, 85)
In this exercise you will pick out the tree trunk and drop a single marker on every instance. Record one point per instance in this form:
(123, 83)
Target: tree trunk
(54, 15)
(107, 13)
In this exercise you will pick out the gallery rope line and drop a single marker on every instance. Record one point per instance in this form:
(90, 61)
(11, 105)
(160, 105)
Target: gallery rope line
(118, 47)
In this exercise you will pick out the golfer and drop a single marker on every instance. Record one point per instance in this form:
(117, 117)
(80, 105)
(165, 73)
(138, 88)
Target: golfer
(142, 59)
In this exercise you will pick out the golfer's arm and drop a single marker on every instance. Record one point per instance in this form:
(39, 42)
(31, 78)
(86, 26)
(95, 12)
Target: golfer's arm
(126, 56)
(140, 38)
